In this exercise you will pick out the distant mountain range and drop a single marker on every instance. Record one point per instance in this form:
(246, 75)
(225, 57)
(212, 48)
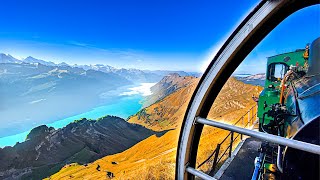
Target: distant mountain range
(47, 150)
(46, 91)
(257, 79)
(134, 75)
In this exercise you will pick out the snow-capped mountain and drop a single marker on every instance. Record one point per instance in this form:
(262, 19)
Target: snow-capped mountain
(7, 58)
(133, 75)
(32, 60)
(63, 64)
(260, 76)
(97, 67)
(256, 79)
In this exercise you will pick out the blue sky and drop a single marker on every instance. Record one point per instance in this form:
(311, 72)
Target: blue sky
(166, 34)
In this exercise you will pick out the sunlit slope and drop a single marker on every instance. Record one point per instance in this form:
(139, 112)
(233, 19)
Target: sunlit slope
(168, 112)
(137, 162)
(154, 157)
(168, 84)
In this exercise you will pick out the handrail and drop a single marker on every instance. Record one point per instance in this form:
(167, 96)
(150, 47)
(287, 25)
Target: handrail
(199, 174)
(223, 154)
(211, 155)
(232, 140)
(303, 146)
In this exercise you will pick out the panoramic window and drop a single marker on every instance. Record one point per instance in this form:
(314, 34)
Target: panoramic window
(249, 96)
(99, 89)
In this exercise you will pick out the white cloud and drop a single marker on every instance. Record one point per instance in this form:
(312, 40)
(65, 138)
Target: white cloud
(144, 89)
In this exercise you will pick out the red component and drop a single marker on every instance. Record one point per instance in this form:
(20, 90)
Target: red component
(297, 64)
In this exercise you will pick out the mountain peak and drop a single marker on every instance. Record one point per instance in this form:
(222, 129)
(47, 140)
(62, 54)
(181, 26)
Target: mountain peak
(82, 141)
(174, 74)
(63, 64)
(33, 60)
(7, 58)
(168, 85)
(29, 57)
(39, 131)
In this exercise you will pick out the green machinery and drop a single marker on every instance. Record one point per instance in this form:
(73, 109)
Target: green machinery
(277, 66)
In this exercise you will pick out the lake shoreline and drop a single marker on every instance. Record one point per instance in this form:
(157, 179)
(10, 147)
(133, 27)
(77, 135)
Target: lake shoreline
(123, 106)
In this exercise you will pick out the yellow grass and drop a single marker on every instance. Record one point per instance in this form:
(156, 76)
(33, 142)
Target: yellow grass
(154, 157)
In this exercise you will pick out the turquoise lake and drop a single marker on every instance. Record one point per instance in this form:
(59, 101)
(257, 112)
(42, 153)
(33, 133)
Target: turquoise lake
(123, 107)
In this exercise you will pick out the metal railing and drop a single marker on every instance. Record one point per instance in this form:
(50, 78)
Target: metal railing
(244, 121)
(300, 145)
(303, 146)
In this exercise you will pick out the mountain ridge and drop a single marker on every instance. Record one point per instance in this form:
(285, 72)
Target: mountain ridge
(46, 149)
(167, 85)
(256, 79)
(137, 74)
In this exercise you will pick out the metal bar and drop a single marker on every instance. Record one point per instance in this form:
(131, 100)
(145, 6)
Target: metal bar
(241, 118)
(199, 174)
(236, 137)
(312, 148)
(213, 153)
(216, 151)
(225, 138)
(216, 157)
(237, 122)
(231, 142)
(224, 153)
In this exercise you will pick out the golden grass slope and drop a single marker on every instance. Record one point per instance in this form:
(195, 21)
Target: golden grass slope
(169, 112)
(154, 157)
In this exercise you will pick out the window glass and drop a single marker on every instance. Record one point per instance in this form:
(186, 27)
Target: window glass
(279, 71)
(254, 87)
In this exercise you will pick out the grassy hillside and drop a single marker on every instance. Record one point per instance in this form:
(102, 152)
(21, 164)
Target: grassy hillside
(47, 150)
(166, 86)
(168, 112)
(154, 157)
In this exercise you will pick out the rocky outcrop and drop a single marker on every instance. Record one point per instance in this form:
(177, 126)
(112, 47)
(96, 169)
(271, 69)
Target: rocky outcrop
(47, 150)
